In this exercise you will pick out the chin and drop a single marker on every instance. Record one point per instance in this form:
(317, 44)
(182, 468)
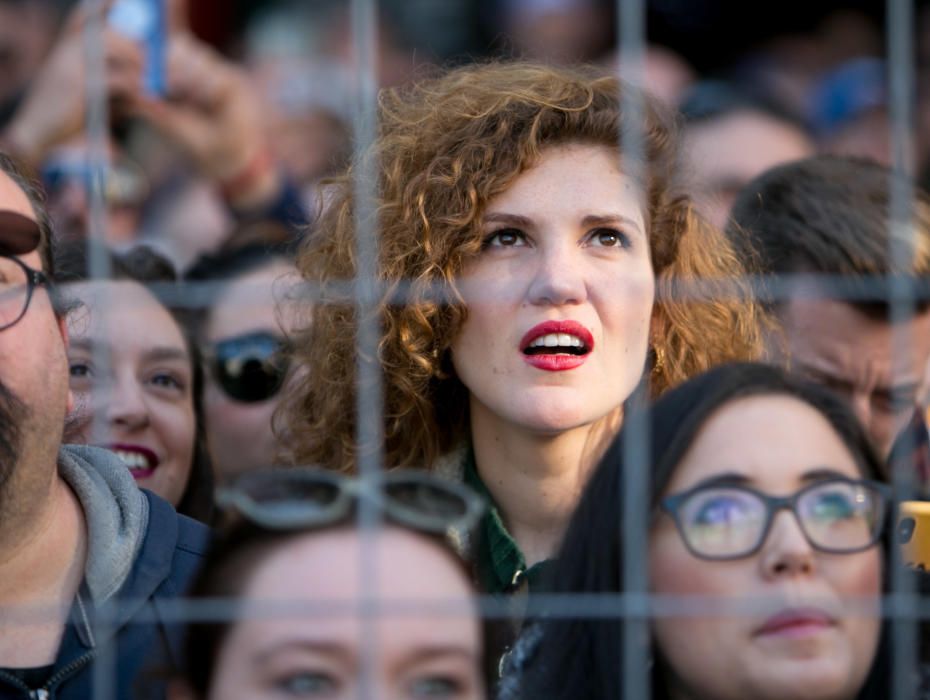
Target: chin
(553, 418)
(811, 680)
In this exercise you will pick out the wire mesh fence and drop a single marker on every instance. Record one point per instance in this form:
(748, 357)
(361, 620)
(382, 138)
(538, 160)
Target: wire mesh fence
(368, 293)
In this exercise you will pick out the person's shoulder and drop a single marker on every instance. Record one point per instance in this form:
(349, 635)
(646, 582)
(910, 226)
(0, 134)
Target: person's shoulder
(174, 549)
(182, 533)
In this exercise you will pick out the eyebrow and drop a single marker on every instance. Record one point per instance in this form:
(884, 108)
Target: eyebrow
(436, 651)
(737, 479)
(166, 353)
(589, 220)
(816, 373)
(160, 353)
(338, 652)
(724, 479)
(823, 474)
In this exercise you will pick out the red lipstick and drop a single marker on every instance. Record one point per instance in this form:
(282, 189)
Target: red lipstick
(141, 461)
(796, 622)
(557, 361)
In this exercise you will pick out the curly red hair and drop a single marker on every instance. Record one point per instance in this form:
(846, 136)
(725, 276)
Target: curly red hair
(446, 147)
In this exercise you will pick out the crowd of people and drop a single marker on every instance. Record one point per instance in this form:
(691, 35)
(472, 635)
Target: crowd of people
(632, 393)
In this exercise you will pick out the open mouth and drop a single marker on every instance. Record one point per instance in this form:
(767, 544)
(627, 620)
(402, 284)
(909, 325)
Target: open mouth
(557, 345)
(140, 461)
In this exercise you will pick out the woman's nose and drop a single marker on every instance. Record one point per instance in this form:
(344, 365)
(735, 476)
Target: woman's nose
(559, 278)
(786, 551)
(126, 405)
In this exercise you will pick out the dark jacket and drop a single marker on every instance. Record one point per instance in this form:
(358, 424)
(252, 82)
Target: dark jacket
(141, 555)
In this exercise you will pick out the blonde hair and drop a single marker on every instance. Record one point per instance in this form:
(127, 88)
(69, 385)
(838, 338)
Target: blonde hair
(446, 147)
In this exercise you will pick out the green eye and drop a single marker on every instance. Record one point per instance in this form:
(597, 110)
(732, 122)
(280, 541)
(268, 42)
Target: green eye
(434, 687)
(307, 684)
(833, 506)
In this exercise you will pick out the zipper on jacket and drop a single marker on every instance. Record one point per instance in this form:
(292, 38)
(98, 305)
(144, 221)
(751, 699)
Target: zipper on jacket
(18, 684)
(44, 693)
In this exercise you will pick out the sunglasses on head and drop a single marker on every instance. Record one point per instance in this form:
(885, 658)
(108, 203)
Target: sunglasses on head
(300, 498)
(249, 368)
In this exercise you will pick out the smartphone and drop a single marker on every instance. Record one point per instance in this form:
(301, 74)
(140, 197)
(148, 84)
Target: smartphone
(146, 22)
(913, 534)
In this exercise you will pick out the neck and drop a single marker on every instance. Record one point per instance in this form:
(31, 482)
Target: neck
(536, 479)
(41, 568)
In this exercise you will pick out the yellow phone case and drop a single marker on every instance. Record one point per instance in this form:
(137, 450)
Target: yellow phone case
(913, 534)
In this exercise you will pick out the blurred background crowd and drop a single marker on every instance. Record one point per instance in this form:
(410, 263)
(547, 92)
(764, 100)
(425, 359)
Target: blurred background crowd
(219, 172)
(180, 288)
(788, 79)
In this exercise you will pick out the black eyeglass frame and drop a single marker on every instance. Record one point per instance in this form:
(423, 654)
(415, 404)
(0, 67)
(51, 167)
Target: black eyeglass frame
(350, 490)
(671, 505)
(34, 278)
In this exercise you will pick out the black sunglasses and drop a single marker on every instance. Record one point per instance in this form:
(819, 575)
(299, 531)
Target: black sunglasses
(303, 498)
(249, 368)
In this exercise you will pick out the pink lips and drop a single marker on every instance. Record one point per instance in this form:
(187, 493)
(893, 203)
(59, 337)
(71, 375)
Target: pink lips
(795, 622)
(556, 362)
(151, 459)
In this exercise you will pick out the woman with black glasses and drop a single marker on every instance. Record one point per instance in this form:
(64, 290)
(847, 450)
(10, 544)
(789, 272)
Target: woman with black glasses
(767, 541)
(243, 330)
(288, 578)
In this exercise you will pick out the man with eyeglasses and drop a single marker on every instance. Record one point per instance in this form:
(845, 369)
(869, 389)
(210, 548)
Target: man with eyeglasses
(86, 558)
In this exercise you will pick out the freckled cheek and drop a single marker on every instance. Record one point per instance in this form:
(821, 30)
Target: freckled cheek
(625, 308)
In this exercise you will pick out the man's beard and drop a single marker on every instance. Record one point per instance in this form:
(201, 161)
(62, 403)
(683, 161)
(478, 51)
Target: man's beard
(12, 416)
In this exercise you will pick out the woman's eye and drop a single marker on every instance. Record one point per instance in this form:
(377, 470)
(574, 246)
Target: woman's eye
(435, 687)
(609, 238)
(505, 238)
(719, 511)
(167, 381)
(308, 684)
(79, 370)
(834, 506)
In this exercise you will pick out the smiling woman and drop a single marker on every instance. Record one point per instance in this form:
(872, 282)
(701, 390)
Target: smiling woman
(136, 378)
(539, 271)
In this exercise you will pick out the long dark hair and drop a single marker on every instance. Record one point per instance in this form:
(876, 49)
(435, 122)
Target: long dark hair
(580, 658)
(145, 266)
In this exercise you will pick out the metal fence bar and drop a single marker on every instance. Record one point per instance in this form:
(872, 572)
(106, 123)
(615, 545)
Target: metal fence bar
(369, 388)
(900, 23)
(634, 522)
(202, 294)
(98, 156)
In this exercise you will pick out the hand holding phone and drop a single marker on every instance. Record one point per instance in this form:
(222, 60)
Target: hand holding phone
(146, 23)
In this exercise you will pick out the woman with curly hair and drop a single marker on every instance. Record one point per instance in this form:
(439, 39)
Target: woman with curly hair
(530, 273)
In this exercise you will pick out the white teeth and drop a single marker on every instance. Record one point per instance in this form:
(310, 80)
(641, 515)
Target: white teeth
(554, 340)
(133, 460)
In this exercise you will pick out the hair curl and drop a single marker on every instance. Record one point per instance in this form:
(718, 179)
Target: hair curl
(446, 146)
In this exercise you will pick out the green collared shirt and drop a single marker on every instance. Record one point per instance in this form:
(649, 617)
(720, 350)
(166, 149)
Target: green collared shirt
(501, 565)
